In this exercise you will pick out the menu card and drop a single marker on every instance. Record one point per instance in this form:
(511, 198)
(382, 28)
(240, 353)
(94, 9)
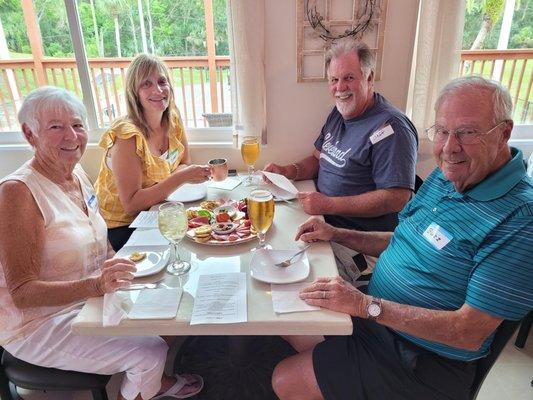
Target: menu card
(145, 219)
(220, 299)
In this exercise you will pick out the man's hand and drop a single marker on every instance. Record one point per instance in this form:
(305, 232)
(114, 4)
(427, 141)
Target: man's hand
(314, 229)
(116, 273)
(277, 169)
(315, 203)
(337, 295)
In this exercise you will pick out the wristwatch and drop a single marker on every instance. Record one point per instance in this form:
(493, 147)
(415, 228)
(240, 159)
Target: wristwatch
(373, 311)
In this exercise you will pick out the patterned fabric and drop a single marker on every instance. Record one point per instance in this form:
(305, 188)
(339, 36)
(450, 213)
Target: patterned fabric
(75, 247)
(154, 168)
(454, 248)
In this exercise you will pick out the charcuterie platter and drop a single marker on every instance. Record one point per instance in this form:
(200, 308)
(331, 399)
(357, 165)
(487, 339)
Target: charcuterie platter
(220, 223)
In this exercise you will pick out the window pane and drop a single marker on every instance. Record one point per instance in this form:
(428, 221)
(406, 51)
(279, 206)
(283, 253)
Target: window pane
(19, 71)
(175, 30)
(498, 44)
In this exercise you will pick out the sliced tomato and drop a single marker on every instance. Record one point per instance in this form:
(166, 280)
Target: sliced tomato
(223, 217)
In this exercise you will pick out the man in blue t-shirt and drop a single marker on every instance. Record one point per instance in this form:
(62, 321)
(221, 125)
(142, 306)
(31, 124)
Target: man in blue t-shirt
(457, 265)
(365, 156)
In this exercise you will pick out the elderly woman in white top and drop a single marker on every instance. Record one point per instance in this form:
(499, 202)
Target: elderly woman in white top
(54, 254)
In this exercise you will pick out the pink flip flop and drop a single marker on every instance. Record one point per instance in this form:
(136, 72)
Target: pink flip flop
(183, 380)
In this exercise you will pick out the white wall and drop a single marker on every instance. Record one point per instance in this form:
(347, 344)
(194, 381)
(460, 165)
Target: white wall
(295, 111)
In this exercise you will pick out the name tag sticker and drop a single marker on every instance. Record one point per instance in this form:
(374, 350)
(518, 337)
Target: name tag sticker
(437, 236)
(172, 157)
(92, 202)
(381, 134)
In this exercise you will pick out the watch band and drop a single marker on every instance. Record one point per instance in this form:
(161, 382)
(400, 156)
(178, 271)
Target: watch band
(374, 309)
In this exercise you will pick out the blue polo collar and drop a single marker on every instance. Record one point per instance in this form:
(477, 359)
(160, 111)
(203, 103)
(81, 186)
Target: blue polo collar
(498, 183)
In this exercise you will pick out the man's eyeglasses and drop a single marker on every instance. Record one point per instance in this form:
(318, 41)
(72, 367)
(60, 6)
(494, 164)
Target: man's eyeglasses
(464, 136)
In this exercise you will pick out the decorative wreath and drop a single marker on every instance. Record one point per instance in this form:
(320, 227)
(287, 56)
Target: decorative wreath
(360, 26)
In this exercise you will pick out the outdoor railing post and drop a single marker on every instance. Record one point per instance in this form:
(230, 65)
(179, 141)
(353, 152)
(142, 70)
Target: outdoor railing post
(211, 53)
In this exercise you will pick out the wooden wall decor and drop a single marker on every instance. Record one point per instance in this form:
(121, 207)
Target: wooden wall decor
(321, 22)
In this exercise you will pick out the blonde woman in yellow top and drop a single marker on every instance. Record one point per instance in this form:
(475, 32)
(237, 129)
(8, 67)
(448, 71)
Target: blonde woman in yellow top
(147, 155)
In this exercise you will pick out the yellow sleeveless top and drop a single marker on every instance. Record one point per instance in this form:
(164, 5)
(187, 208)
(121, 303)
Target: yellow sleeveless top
(154, 168)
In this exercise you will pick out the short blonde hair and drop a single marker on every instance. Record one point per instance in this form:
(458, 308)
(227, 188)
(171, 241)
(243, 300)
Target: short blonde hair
(139, 69)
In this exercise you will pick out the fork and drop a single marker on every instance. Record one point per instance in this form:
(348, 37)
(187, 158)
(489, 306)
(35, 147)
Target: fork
(282, 199)
(288, 261)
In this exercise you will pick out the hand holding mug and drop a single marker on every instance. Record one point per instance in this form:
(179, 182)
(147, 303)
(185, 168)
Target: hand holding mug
(219, 169)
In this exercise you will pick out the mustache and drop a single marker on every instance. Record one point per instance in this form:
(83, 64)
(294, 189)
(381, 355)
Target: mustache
(345, 93)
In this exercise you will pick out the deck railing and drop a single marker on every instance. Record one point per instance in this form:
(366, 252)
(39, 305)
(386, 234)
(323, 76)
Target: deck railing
(190, 76)
(513, 68)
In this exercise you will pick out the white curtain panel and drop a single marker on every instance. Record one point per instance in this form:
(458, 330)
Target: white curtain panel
(246, 29)
(437, 56)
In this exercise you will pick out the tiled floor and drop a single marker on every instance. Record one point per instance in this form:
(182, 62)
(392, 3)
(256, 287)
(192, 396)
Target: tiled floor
(510, 378)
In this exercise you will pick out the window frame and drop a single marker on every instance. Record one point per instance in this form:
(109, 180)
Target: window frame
(197, 137)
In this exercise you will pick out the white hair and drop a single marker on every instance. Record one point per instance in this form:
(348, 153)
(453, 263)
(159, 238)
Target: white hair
(502, 105)
(349, 45)
(48, 99)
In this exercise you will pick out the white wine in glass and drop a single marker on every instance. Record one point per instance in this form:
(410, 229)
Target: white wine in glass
(260, 205)
(250, 154)
(172, 221)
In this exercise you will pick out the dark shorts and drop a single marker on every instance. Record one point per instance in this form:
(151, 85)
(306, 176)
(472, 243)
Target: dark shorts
(119, 236)
(377, 364)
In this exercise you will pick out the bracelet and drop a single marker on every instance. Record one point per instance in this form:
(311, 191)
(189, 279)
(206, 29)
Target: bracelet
(297, 168)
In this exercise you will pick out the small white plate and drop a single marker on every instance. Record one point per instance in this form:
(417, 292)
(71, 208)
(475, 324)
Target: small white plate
(189, 192)
(263, 269)
(154, 261)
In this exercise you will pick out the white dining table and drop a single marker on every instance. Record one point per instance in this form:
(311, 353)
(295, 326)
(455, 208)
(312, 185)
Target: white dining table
(204, 259)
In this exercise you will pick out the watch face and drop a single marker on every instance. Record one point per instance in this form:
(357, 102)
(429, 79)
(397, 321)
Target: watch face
(374, 310)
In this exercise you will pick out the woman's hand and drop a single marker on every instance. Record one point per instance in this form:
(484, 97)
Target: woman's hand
(116, 273)
(314, 229)
(337, 295)
(196, 173)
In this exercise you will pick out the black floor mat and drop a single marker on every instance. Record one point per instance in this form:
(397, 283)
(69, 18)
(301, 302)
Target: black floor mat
(233, 368)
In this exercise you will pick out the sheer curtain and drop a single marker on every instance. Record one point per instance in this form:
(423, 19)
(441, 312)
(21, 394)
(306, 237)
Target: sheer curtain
(437, 56)
(246, 30)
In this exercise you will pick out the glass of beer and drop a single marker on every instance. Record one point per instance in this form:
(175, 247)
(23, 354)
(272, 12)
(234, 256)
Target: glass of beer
(250, 154)
(172, 221)
(261, 212)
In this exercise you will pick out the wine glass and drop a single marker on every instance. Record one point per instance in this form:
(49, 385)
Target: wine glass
(260, 205)
(250, 154)
(172, 221)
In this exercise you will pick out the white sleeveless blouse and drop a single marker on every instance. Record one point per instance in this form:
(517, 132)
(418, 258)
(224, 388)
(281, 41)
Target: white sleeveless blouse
(75, 247)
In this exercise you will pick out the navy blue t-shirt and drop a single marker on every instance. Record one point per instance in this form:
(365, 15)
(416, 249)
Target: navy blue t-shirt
(355, 158)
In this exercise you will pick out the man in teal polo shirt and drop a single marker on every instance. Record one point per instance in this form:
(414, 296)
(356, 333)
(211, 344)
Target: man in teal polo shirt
(457, 265)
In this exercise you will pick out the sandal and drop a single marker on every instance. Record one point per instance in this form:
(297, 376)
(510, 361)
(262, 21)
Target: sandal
(187, 385)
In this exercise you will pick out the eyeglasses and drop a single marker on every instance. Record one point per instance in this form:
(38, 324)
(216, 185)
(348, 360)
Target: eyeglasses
(439, 135)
